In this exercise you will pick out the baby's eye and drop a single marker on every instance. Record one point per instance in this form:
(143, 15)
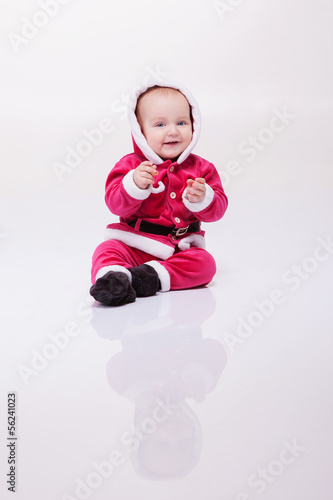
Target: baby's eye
(159, 125)
(182, 123)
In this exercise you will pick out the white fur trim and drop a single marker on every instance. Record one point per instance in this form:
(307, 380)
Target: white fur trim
(132, 189)
(194, 240)
(153, 247)
(163, 274)
(199, 205)
(138, 136)
(159, 189)
(106, 269)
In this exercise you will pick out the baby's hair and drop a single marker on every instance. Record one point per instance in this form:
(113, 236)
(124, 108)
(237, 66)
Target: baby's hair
(155, 88)
(165, 90)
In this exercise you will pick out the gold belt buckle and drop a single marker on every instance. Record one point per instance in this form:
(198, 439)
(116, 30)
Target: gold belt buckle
(181, 230)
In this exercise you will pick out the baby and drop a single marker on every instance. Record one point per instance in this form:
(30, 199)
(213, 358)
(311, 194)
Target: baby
(161, 192)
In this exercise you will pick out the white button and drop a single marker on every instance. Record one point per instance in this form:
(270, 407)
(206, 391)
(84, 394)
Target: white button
(172, 169)
(173, 195)
(177, 219)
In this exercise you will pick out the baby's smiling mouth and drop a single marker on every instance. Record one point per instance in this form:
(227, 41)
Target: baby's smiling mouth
(172, 142)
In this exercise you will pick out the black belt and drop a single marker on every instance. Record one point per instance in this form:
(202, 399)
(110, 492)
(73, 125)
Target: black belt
(149, 227)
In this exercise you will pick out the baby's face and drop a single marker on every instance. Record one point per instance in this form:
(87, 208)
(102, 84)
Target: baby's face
(164, 117)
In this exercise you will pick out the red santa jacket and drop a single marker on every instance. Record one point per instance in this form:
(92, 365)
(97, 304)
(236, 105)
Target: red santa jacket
(165, 202)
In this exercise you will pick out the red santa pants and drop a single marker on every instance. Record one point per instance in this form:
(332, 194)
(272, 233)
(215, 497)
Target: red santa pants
(184, 269)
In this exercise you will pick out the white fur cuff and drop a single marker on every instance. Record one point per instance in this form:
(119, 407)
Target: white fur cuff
(132, 189)
(193, 240)
(106, 269)
(163, 274)
(198, 206)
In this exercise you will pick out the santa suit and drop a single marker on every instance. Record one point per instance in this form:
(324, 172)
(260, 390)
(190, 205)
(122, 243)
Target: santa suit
(180, 260)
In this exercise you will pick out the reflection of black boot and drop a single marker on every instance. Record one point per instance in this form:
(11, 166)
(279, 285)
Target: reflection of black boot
(145, 280)
(113, 289)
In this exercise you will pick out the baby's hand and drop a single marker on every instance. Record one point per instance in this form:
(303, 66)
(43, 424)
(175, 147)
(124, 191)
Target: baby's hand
(195, 189)
(143, 174)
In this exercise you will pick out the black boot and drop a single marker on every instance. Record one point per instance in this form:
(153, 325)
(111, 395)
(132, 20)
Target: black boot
(145, 280)
(113, 289)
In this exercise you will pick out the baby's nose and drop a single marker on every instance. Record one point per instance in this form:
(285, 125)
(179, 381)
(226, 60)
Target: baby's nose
(172, 130)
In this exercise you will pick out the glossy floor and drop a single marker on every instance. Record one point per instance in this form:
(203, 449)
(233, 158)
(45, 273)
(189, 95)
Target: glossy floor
(220, 393)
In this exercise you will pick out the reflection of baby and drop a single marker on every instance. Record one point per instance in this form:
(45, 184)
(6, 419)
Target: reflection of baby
(167, 441)
(173, 447)
(162, 192)
(164, 369)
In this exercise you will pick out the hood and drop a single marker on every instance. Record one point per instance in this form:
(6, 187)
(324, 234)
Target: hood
(139, 140)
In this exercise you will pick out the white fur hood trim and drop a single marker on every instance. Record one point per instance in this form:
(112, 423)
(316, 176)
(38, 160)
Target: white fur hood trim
(138, 136)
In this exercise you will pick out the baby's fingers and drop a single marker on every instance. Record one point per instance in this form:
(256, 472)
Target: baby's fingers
(199, 184)
(146, 164)
(149, 168)
(196, 188)
(147, 177)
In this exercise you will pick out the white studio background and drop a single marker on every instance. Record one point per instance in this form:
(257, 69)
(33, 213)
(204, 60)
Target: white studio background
(240, 62)
(261, 71)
